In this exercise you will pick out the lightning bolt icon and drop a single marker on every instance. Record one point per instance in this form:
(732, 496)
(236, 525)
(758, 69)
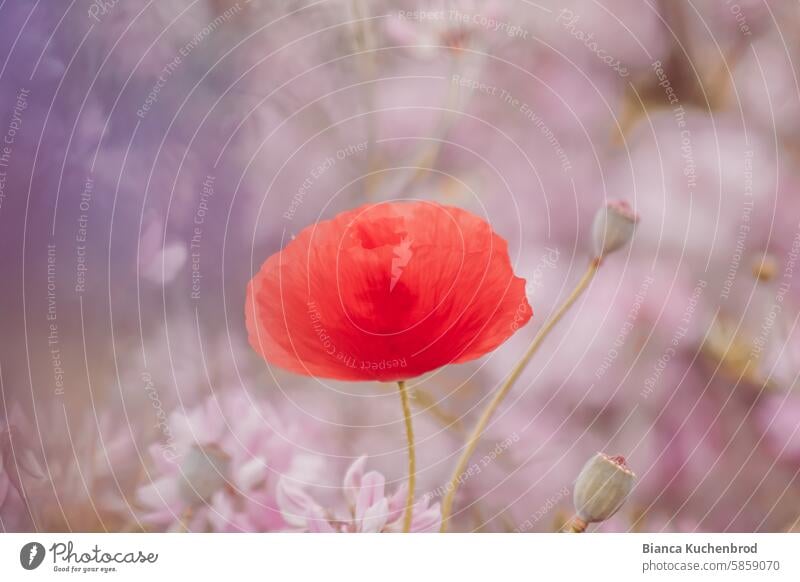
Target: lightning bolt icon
(32, 554)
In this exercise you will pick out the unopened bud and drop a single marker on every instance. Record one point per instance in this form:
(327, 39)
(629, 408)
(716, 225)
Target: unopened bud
(602, 487)
(613, 227)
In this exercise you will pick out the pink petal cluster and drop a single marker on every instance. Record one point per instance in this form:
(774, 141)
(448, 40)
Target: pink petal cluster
(370, 509)
(220, 472)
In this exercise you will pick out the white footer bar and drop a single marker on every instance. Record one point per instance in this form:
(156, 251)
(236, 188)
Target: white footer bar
(387, 557)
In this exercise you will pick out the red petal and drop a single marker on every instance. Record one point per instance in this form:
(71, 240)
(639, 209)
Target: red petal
(386, 292)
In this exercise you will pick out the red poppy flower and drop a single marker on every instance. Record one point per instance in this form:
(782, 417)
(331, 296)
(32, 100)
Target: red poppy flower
(386, 292)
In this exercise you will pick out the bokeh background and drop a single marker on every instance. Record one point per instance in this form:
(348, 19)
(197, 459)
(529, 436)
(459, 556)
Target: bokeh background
(153, 154)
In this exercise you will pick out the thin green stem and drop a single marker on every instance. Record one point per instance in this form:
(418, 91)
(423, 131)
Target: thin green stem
(516, 372)
(412, 460)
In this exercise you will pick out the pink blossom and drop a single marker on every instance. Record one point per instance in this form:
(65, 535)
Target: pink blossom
(219, 472)
(369, 508)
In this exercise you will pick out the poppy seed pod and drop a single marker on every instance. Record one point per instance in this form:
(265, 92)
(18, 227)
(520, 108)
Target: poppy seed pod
(613, 227)
(602, 487)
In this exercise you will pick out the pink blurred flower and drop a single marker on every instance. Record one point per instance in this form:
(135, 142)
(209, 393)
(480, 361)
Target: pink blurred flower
(14, 515)
(779, 416)
(219, 471)
(369, 510)
(455, 25)
(65, 473)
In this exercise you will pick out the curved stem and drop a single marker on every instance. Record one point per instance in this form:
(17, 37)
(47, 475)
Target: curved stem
(483, 421)
(412, 460)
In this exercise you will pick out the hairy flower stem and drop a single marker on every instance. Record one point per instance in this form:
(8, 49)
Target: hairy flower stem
(412, 458)
(519, 367)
